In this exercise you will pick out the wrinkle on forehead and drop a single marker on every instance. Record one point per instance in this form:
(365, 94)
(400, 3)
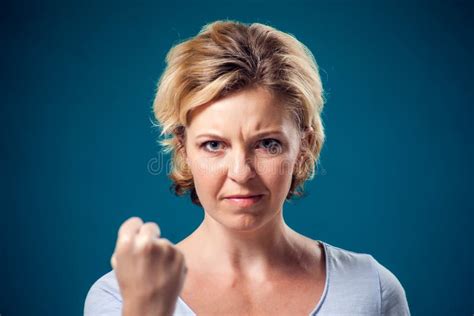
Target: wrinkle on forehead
(242, 115)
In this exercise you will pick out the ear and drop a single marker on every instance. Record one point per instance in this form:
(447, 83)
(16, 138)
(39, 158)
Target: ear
(306, 137)
(182, 146)
(180, 135)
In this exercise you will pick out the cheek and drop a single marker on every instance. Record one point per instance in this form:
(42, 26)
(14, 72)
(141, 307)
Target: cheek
(277, 173)
(207, 177)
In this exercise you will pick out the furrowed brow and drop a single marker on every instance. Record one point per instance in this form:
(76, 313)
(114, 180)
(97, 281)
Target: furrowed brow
(257, 135)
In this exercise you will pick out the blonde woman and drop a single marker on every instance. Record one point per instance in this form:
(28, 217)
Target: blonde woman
(240, 106)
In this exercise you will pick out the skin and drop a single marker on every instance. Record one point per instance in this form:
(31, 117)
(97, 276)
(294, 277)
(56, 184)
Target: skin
(244, 248)
(239, 261)
(150, 270)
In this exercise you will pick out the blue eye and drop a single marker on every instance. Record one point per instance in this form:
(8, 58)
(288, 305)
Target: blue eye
(273, 146)
(270, 145)
(211, 146)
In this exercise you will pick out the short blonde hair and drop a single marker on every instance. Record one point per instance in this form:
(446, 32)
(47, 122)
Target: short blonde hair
(225, 57)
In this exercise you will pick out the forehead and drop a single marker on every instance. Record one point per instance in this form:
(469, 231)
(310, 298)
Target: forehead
(245, 112)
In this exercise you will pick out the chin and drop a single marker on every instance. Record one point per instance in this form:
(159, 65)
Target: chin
(242, 219)
(244, 222)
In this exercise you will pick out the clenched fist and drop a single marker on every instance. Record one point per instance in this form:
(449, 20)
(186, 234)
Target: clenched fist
(150, 270)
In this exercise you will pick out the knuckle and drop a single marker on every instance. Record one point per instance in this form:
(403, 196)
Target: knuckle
(124, 243)
(125, 239)
(163, 242)
(151, 225)
(148, 246)
(130, 224)
(180, 255)
(135, 219)
(144, 243)
(166, 250)
(164, 246)
(150, 228)
(171, 253)
(174, 254)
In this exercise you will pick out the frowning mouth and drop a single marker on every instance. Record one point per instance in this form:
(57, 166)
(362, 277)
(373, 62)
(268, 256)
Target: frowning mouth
(243, 200)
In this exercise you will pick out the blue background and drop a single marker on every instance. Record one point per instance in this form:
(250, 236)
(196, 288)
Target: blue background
(77, 83)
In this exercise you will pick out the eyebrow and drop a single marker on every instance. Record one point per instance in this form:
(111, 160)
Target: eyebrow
(258, 135)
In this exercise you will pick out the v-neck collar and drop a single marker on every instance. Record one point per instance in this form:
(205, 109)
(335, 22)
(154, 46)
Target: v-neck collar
(321, 300)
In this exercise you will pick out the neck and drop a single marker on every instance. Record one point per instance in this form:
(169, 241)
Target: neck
(247, 253)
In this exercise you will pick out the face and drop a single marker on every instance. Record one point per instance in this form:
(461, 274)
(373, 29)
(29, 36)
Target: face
(242, 145)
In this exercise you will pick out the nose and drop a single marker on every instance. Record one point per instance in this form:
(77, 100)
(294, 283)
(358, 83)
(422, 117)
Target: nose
(240, 168)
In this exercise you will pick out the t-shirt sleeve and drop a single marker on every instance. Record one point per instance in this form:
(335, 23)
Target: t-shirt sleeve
(103, 298)
(392, 295)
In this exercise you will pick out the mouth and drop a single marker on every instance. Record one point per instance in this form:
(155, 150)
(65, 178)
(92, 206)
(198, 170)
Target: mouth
(244, 201)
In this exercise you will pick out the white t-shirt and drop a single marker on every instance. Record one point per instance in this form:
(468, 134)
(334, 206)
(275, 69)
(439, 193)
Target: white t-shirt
(356, 284)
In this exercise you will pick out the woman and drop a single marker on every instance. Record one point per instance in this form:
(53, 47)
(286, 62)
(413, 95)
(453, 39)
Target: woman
(241, 107)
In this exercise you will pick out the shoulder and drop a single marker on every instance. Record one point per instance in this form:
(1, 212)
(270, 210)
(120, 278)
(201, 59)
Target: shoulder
(368, 280)
(103, 298)
(393, 296)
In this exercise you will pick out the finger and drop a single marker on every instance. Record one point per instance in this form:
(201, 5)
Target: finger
(130, 227)
(113, 261)
(148, 232)
(150, 229)
(163, 242)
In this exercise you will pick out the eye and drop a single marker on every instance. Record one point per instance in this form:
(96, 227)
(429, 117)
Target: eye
(212, 145)
(271, 145)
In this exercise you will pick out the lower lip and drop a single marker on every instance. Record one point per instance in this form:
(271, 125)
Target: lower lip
(245, 202)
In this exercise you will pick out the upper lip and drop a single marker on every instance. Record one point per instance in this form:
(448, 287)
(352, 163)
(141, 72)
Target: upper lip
(240, 196)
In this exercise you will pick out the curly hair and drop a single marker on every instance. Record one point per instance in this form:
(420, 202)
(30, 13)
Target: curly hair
(226, 57)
